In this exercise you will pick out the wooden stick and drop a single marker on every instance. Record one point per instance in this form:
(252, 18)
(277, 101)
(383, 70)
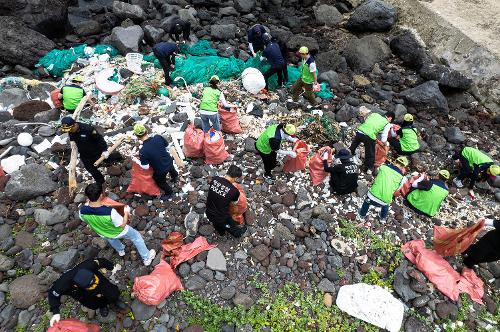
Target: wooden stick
(178, 161)
(74, 150)
(110, 150)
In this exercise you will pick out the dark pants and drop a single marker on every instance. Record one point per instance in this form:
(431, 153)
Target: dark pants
(465, 169)
(369, 148)
(269, 161)
(165, 65)
(161, 180)
(396, 145)
(88, 163)
(229, 225)
(271, 72)
(486, 249)
(384, 209)
(308, 91)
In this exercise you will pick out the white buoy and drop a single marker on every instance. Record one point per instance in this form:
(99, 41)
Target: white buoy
(24, 139)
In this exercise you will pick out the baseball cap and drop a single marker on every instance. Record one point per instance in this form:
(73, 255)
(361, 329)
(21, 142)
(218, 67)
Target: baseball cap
(67, 123)
(139, 129)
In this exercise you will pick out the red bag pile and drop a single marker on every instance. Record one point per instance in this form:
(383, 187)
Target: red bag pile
(450, 242)
(214, 148)
(237, 210)
(54, 96)
(297, 164)
(380, 153)
(229, 121)
(73, 325)
(193, 142)
(316, 168)
(142, 181)
(152, 289)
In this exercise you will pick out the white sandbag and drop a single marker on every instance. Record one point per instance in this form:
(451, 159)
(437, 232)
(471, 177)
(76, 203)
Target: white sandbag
(253, 80)
(106, 86)
(12, 163)
(373, 304)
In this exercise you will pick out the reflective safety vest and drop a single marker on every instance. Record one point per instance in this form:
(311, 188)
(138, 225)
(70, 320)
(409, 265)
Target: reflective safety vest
(263, 140)
(475, 157)
(386, 183)
(428, 201)
(373, 124)
(306, 75)
(71, 97)
(409, 140)
(210, 99)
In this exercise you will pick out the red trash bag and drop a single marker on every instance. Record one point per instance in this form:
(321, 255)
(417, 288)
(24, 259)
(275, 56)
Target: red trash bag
(172, 244)
(188, 251)
(4, 178)
(54, 96)
(316, 168)
(142, 181)
(405, 189)
(380, 153)
(214, 148)
(237, 210)
(193, 142)
(229, 121)
(297, 164)
(450, 242)
(73, 325)
(157, 286)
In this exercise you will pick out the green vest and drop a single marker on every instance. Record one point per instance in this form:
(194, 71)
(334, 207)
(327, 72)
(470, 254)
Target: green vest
(210, 99)
(306, 75)
(386, 183)
(409, 140)
(373, 124)
(475, 157)
(427, 201)
(263, 140)
(101, 224)
(71, 97)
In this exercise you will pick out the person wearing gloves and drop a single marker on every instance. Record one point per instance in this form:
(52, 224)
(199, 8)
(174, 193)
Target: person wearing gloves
(426, 196)
(405, 139)
(390, 178)
(209, 105)
(221, 195)
(86, 285)
(475, 165)
(72, 94)
(343, 175)
(91, 146)
(179, 27)
(307, 79)
(367, 134)
(165, 52)
(486, 249)
(110, 225)
(255, 39)
(273, 55)
(153, 153)
(268, 145)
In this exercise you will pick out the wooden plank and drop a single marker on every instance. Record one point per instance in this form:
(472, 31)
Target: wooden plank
(74, 150)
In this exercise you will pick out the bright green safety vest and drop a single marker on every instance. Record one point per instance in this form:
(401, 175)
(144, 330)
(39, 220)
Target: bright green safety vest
(306, 75)
(71, 97)
(263, 140)
(409, 140)
(373, 124)
(475, 157)
(427, 201)
(210, 99)
(386, 183)
(102, 225)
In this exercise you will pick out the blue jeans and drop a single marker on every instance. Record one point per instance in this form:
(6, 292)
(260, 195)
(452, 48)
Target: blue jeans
(136, 238)
(207, 119)
(366, 205)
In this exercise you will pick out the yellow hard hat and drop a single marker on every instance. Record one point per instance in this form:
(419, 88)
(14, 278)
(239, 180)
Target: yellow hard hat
(214, 78)
(444, 173)
(403, 161)
(78, 79)
(290, 129)
(139, 129)
(494, 170)
(408, 117)
(303, 50)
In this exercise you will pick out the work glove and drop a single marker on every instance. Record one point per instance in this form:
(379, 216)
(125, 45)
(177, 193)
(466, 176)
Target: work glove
(105, 154)
(55, 319)
(126, 209)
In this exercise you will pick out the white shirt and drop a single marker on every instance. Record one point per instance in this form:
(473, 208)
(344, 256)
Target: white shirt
(385, 132)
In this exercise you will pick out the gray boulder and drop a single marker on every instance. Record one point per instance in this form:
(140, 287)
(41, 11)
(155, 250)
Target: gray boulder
(362, 54)
(330, 60)
(125, 10)
(142, 311)
(59, 214)
(410, 49)
(372, 15)
(331, 77)
(436, 143)
(189, 15)
(216, 260)
(20, 44)
(445, 76)
(87, 28)
(126, 40)
(244, 6)
(296, 41)
(153, 35)
(454, 135)
(6, 263)
(64, 260)
(228, 11)
(30, 181)
(346, 113)
(223, 31)
(47, 116)
(24, 291)
(327, 15)
(426, 96)
(13, 96)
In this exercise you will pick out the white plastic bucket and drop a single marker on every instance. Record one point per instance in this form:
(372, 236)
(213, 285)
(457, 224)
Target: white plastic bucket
(134, 61)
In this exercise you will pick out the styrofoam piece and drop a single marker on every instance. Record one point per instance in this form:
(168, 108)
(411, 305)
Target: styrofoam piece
(12, 163)
(39, 148)
(24, 139)
(106, 86)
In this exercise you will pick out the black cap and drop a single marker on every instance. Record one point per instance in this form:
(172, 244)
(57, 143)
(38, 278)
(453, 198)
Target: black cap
(343, 154)
(83, 278)
(67, 121)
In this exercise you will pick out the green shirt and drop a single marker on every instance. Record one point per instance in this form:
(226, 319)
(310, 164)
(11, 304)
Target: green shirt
(306, 75)
(103, 220)
(475, 157)
(409, 140)
(428, 201)
(263, 141)
(373, 124)
(210, 99)
(386, 183)
(72, 95)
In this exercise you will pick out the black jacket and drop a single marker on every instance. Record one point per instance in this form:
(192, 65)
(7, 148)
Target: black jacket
(343, 177)
(89, 142)
(185, 26)
(105, 293)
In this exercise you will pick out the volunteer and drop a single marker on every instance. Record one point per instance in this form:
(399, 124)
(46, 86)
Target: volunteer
(343, 175)
(389, 179)
(475, 165)
(426, 196)
(72, 94)
(91, 146)
(406, 142)
(255, 38)
(86, 285)
(165, 52)
(209, 105)
(221, 195)
(268, 145)
(273, 54)
(486, 249)
(153, 153)
(110, 225)
(307, 79)
(367, 134)
(178, 27)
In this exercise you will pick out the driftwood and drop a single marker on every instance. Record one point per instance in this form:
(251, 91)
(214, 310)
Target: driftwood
(74, 150)
(111, 149)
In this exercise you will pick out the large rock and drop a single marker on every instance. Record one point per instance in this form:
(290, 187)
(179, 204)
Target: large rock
(189, 15)
(401, 283)
(260, 252)
(244, 6)
(426, 96)
(59, 214)
(6, 263)
(410, 48)
(87, 28)
(20, 44)
(153, 35)
(216, 260)
(330, 60)
(331, 77)
(126, 40)
(142, 311)
(296, 41)
(24, 291)
(454, 135)
(64, 260)
(372, 15)
(27, 110)
(223, 31)
(29, 182)
(13, 96)
(445, 76)
(125, 10)
(362, 54)
(327, 15)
